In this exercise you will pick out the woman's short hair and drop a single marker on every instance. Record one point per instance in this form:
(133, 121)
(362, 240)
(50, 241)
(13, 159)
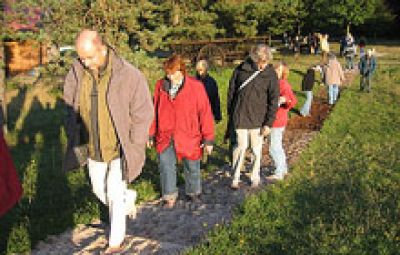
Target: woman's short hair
(261, 53)
(175, 63)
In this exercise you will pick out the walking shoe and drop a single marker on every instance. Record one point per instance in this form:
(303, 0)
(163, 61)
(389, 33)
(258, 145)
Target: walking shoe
(274, 178)
(254, 185)
(235, 185)
(169, 203)
(194, 198)
(130, 203)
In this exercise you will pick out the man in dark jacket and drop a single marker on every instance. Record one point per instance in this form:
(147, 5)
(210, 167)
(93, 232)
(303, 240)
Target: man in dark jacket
(252, 103)
(211, 88)
(111, 99)
(367, 67)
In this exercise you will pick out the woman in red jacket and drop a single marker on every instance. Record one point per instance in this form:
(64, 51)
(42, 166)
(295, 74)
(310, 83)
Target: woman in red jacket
(183, 125)
(287, 101)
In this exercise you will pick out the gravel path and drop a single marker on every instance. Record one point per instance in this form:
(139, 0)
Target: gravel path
(169, 231)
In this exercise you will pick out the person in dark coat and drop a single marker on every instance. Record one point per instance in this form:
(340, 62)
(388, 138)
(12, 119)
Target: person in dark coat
(252, 104)
(307, 86)
(211, 88)
(367, 67)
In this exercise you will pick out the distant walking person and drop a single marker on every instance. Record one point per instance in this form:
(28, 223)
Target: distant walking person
(211, 88)
(334, 77)
(183, 129)
(349, 51)
(324, 46)
(287, 100)
(307, 86)
(367, 67)
(252, 104)
(113, 102)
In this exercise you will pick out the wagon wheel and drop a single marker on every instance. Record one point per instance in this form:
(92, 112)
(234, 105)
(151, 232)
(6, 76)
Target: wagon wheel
(213, 54)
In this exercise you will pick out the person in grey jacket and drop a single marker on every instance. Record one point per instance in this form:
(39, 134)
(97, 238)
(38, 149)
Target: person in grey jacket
(108, 101)
(252, 108)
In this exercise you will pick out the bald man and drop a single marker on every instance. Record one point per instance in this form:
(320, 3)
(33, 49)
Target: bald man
(109, 110)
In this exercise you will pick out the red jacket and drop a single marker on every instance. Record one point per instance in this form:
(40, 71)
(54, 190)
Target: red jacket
(10, 187)
(281, 118)
(187, 119)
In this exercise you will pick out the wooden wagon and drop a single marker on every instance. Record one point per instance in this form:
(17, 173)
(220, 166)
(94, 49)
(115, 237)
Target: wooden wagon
(217, 52)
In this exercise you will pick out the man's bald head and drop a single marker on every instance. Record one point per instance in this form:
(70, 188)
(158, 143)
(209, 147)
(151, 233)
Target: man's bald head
(90, 48)
(88, 38)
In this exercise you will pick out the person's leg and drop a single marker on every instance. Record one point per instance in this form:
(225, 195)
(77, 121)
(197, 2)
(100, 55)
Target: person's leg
(238, 154)
(335, 93)
(305, 109)
(277, 152)
(192, 177)
(368, 83)
(361, 83)
(167, 167)
(117, 206)
(256, 142)
(97, 174)
(330, 94)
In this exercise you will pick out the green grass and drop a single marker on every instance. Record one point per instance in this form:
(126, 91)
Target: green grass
(54, 201)
(344, 193)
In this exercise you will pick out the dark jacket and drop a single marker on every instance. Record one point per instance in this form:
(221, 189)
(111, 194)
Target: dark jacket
(256, 104)
(187, 119)
(367, 65)
(308, 80)
(212, 92)
(130, 106)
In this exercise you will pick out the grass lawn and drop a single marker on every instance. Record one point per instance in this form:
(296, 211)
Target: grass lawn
(361, 136)
(344, 193)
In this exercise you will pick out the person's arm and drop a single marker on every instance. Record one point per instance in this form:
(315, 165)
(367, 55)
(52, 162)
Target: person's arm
(69, 91)
(216, 101)
(290, 98)
(206, 119)
(231, 92)
(153, 126)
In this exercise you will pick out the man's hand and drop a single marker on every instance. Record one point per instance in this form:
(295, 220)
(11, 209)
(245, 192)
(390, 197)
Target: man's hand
(150, 143)
(282, 100)
(265, 130)
(208, 149)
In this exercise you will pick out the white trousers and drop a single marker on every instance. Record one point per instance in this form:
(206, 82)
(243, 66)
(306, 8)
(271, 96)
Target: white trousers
(111, 189)
(256, 142)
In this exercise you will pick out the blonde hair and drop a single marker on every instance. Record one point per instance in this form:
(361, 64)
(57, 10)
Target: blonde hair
(284, 70)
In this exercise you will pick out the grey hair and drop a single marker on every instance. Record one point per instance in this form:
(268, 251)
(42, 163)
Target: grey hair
(261, 53)
(202, 63)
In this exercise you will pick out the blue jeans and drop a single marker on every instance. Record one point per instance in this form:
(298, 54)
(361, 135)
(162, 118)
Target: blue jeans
(365, 83)
(277, 152)
(305, 110)
(349, 62)
(333, 93)
(167, 167)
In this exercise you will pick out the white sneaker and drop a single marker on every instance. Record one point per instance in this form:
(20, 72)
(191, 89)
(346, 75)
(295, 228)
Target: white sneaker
(274, 178)
(130, 203)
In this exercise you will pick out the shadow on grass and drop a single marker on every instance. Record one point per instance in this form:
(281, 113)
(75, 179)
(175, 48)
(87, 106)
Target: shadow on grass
(48, 204)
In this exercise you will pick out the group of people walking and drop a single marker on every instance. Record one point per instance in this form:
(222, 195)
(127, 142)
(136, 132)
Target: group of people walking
(110, 109)
(112, 118)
